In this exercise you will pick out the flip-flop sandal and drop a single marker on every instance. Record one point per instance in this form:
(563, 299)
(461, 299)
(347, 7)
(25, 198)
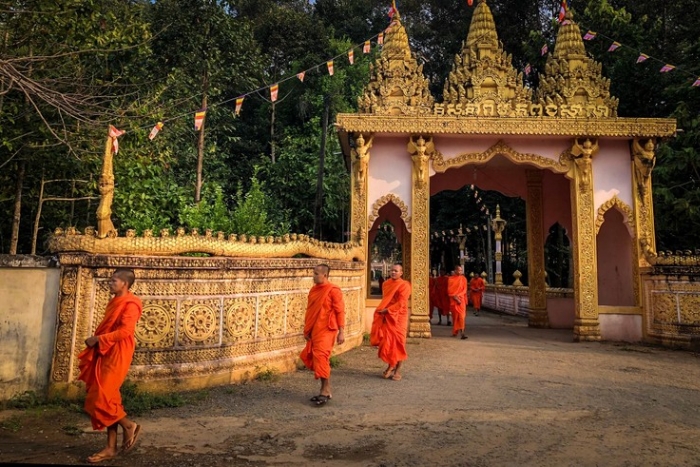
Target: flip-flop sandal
(464, 337)
(389, 373)
(317, 398)
(131, 442)
(396, 377)
(97, 458)
(322, 400)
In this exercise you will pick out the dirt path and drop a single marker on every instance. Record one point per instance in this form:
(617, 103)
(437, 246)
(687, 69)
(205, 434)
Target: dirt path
(509, 395)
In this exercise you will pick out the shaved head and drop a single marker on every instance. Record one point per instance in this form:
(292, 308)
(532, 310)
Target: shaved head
(127, 275)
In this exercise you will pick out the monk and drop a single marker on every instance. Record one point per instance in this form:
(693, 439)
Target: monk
(443, 298)
(390, 323)
(105, 363)
(432, 295)
(476, 288)
(457, 291)
(323, 326)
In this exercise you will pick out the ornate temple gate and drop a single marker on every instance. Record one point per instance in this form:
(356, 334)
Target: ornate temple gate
(578, 161)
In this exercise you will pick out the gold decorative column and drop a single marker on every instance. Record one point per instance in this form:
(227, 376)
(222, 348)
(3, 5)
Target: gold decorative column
(586, 324)
(420, 150)
(406, 252)
(105, 227)
(644, 160)
(537, 286)
(358, 192)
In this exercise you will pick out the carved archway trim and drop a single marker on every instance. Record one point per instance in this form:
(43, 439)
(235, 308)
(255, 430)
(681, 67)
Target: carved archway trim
(383, 201)
(623, 207)
(500, 148)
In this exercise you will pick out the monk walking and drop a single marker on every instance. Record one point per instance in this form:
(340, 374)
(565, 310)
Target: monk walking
(105, 363)
(323, 326)
(457, 291)
(390, 323)
(476, 287)
(443, 298)
(432, 295)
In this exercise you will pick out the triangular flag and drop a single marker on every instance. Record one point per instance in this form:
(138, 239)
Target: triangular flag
(470, 2)
(273, 92)
(545, 49)
(589, 36)
(642, 58)
(614, 46)
(114, 133)
(351, 56)
(696, 83)
(301, 75)
(239, 104)
(392, 11)
(528, 69)
(199, 119)
(666, 68)
(329, 64)
(155, 130)
(562, 10)
(366, 47)
(380, 38)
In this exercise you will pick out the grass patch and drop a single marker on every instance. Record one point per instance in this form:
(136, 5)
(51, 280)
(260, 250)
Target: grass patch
(365, 338)
(12, 424)
(71, 430)
(138, 402)
(336, 362)
(267, 375)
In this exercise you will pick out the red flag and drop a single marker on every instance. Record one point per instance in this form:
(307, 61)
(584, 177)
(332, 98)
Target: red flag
(329, 64)
(300, 75)
(199, 119)
(239, 104)
(392, 11)
(470, 2)
(274, 89)
(562, 10)
(155, 130)
(351, 56)
(114, 134)
(590, 35)
(366, 47)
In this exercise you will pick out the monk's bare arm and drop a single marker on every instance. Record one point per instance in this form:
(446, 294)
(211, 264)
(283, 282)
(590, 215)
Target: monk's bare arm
(125, 326)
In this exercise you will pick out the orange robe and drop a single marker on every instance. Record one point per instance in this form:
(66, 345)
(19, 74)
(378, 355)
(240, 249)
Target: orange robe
(389, 329)
(104, 366)
(476, 287)
(432, 294)
(325, 315)
(443, 298)
(457, 287)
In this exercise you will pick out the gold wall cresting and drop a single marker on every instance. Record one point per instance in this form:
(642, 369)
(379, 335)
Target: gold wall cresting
(205, 322)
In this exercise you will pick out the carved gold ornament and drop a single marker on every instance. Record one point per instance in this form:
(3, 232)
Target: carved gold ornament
(623, 207)
(397, 201)
(421, 151)
(644, 162)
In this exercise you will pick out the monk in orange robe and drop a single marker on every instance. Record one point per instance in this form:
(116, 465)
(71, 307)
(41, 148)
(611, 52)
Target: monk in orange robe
(457, 290)
(390, 323)
(105, 363)
(443, 298)
(476, 288)
(323, 326)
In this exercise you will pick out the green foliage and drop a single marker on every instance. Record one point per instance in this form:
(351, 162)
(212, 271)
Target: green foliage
(137, 402)
(250, 215)
(266, 375)
(336, 361)
(12, 424)
(210, 213)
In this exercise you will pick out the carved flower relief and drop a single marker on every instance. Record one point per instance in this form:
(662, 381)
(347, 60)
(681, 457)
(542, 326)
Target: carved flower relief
(240, 319)
(155, 327)
(200, 323)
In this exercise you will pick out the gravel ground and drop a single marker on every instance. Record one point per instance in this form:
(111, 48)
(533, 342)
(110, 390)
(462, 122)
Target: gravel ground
(507, 396)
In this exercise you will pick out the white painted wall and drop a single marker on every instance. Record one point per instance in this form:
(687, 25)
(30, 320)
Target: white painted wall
(390, 170)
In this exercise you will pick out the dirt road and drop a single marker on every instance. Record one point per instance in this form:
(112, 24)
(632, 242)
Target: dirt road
(507, 396)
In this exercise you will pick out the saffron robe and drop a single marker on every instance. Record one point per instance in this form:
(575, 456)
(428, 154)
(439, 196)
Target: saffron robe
(476, 287)
(104, 366)
(457, 287)
(325, 315)
(442, 297)
(389, 329)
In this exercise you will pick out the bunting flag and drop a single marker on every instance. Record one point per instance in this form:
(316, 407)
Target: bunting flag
(589, 36)
(666, 68)
(239, 104)
(155, 130)
(114, 134)
(380, 38)
(642, 58)
(366, 47)
(351, 56)
(470, 2)
(562, 10)
(274, 89)
(528, 69)
(614, 46)
(199, 119)
(329, 64)
(301, 76)
(545, 49)
(392, 10)
(696, 83)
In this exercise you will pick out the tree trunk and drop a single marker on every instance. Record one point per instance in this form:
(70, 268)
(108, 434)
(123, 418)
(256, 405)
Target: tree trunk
(37, 219)
(272, 134)
(18, 209)
(200, 145)
(321, 165)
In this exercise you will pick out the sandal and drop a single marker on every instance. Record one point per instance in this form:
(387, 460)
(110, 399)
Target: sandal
(317, 398)
(389, 372)
(131, 442)
(99, 457)
(396, 377)
(321, 400)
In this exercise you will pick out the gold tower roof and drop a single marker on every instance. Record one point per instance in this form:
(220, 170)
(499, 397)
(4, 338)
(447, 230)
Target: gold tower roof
(572, 80)
(397, 85)
(483, 81)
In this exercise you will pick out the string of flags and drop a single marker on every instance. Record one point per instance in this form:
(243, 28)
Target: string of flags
(200, 115)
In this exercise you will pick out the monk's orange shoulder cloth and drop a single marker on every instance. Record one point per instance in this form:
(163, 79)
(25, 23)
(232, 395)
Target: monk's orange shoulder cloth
(314, 308)
(395, 295)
